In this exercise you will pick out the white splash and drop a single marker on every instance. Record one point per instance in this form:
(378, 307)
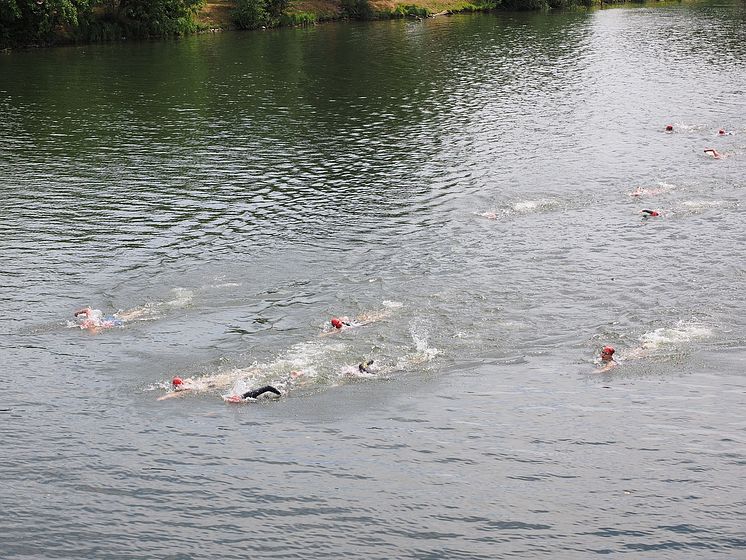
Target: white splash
(681, 334)
(182, 297)
(534, 205)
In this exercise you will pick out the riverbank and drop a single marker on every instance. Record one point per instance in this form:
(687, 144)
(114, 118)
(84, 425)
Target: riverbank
(103, 20)
(219, 14)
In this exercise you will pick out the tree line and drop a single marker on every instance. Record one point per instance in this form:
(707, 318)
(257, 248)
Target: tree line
(45, 22)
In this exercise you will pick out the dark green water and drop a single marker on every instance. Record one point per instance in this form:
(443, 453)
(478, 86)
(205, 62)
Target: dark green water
(465, 180)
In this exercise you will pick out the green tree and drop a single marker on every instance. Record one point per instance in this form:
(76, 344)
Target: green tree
(250, 14)
(39, 21)
(156, 18)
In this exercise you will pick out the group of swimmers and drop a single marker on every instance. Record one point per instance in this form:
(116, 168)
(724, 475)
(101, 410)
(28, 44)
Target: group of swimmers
(94, 320)
(607, 352)
(708, 151)
(712, 152)
(181, 386)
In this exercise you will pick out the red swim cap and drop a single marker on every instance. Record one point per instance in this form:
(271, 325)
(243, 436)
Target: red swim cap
(608, 350)
(176, 381)
(336, 323)
(721, 131)
(669, 127)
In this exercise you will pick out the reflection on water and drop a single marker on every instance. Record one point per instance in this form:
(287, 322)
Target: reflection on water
(477, 181)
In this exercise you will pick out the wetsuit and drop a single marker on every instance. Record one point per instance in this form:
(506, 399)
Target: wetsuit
(364, 367)
(256, 392)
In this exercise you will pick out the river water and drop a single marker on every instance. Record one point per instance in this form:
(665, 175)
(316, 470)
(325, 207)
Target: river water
(464, 181)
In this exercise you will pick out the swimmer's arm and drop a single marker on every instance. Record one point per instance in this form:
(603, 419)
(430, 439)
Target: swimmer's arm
(257, 392)
(173, 394)
(607, 367)
(130, 314)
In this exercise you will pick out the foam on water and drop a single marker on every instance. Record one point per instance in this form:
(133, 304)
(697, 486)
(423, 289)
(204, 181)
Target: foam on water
(522, 207)
(660, 188)
(680, 335)
(526, 206)
(702, 204)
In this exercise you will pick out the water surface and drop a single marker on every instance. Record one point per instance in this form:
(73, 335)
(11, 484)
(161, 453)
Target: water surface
(465, 179)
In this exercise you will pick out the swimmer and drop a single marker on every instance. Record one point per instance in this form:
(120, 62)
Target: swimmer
(342, 323)
(723, 132)
(361, 371)
(650, 213)
(253, 394)
(94, 319)
(179, 387)
(607, 359)
(489, 215)
(669, 128)
(714, 153)
(365, 367)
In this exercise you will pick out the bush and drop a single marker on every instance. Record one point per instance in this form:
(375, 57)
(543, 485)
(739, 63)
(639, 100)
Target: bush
(357, 9)
(250, 14)
(524, 4)
(402, 10)
(298, 18)
(275, 10)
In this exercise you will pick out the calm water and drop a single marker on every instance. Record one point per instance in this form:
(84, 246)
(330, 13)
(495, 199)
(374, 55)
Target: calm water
(464, 179)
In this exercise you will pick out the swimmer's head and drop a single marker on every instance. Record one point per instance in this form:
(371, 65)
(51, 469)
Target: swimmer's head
(669, 128)
(337, 323)
(607, 353)
(721, 132)
(177, 382)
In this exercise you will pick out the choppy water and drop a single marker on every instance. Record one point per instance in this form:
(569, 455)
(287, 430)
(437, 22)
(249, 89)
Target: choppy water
(468, 180)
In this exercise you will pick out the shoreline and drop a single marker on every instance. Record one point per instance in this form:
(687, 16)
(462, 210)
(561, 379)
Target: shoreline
(101, 25)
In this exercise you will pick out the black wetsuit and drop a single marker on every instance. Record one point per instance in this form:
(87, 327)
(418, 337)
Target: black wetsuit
(256, 392)
(364, 367)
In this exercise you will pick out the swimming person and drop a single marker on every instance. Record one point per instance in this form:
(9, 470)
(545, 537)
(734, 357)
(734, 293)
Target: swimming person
(344, 322)
(607, 359)
(714, 153)
(93, 319)
(650, 213)
(340, 322)
(365, 367)
(179, 387)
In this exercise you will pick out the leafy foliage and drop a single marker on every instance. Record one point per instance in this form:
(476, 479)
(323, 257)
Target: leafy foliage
(46, 21)
(35, 21)
(251, 14)
(357, 9)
